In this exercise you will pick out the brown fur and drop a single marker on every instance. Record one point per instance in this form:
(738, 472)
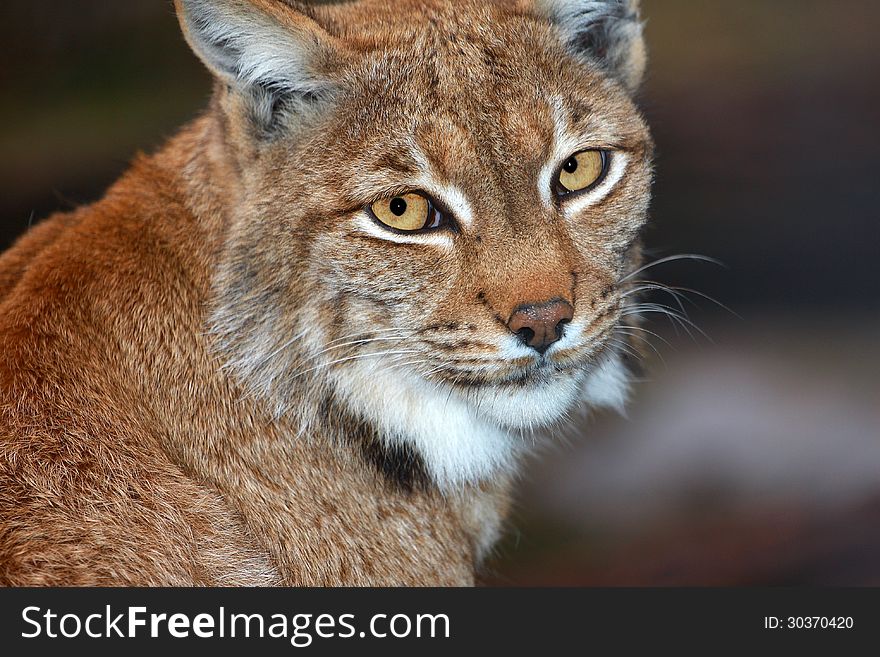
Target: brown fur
(131, 452)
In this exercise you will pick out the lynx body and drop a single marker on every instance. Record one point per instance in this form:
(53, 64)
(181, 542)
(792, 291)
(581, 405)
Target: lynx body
(308, 341)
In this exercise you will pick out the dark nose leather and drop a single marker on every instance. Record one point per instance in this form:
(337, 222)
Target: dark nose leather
(539, 325)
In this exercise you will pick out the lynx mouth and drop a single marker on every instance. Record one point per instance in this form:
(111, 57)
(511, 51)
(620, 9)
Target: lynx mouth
(547, 393)
(537, 370)
(541, 371)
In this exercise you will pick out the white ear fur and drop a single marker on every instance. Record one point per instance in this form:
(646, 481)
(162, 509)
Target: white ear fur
(608, 31)
(258, 46)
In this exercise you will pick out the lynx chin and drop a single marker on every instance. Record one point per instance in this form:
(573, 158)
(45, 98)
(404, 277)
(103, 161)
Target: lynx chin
(311, 340)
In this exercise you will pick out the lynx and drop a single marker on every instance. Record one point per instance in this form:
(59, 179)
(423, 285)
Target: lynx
(312, 339)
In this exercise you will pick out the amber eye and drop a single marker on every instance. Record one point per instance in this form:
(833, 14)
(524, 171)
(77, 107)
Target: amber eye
(407, 212)
(581, 171)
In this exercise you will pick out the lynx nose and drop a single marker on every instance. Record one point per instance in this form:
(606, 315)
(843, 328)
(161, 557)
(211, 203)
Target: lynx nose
(539, 325)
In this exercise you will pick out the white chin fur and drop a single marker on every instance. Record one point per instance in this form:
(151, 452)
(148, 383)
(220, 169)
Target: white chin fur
(469, 438)
(455, 443)
(531, 406)
(607, 386)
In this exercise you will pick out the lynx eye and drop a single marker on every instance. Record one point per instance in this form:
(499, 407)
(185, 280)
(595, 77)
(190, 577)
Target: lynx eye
(407, 213)
(582, 171)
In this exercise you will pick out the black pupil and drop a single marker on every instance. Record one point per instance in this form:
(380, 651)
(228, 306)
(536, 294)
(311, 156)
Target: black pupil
(571, 166)
(398, 207)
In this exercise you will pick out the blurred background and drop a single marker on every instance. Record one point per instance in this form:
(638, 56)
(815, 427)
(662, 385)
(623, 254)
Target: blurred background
(751, 456)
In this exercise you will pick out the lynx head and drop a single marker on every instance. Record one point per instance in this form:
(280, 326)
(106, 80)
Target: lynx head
(438, 203)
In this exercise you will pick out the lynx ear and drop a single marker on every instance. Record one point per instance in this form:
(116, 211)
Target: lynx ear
(263, 48)
(608, 31)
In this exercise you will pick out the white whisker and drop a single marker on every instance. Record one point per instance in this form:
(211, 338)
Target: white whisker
(646, 341)
(679, 293)
(673, 258)
(353, 358)
(395, 338)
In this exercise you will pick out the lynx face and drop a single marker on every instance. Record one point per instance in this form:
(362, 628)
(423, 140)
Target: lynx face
(439, 203)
